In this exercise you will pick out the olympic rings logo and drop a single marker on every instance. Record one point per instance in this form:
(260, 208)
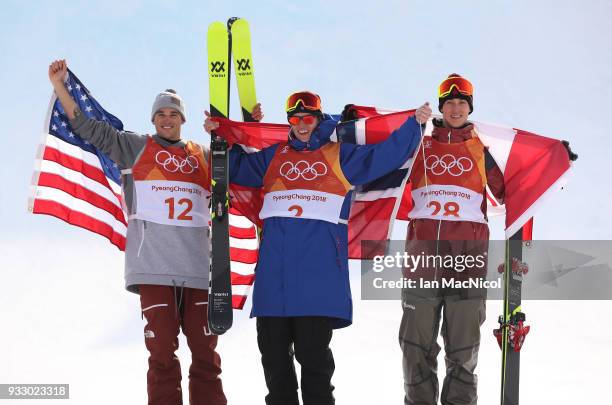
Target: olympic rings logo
(302, 169)
(173, 163)
(448, 164)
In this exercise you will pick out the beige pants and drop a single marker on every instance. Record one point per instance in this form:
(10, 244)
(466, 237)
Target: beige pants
(461, 321)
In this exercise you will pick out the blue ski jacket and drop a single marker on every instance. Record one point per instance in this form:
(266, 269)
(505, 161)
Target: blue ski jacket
(303, 263)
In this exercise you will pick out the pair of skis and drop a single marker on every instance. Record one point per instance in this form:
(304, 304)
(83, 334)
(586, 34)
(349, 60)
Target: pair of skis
(223, 42)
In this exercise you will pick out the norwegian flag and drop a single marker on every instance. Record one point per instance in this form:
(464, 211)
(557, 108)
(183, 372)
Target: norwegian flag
(376, 203)
(77, 183)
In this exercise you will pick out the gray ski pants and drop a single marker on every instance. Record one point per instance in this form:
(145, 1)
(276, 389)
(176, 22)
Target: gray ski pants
(461, 321)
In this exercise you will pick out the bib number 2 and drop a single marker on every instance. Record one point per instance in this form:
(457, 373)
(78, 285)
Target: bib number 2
(184, 215)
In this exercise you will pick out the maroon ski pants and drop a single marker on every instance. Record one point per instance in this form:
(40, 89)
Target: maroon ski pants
(167, 309)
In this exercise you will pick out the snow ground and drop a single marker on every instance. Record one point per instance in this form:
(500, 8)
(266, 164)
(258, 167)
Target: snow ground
(63, 325)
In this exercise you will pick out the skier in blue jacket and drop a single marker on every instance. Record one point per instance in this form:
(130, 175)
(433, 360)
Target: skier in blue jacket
(302, 290)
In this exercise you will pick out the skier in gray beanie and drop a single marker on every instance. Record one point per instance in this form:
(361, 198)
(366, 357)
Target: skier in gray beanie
(167, 245)
(168, 99)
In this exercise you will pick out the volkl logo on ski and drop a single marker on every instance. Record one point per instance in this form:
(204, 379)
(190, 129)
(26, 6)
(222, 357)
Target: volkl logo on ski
(244, 67)
(244, 64)
(217, 67)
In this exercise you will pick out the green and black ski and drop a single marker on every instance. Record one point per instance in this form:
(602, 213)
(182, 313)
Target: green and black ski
(512, 331)
(222, 42)
(243, 65)
(220, 314)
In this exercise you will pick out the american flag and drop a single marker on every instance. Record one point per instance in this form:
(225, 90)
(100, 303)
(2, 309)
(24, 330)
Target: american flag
(77, 183)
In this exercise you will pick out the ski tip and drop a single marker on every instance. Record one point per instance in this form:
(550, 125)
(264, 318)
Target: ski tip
(231, 21)
(237, 22)
(215, 25)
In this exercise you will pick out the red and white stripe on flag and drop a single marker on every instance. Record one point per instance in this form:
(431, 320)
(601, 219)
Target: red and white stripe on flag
(243, 255)
(70, 184)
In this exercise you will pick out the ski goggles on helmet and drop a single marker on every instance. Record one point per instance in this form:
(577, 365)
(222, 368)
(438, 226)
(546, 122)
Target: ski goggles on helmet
(462, 85)
(308, 100)
(308, 119)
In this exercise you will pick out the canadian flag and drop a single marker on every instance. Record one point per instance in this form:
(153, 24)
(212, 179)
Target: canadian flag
(534, 168)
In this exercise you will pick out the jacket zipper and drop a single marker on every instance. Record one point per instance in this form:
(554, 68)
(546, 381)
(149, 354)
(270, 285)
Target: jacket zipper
(439, 227)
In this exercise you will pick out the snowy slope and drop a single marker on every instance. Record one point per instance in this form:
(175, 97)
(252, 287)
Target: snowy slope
(82, 328)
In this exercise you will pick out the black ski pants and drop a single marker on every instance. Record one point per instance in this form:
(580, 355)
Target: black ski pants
(307, 338)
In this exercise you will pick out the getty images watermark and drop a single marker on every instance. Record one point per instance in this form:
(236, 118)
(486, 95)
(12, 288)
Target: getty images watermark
(441, 266)
(551, 270)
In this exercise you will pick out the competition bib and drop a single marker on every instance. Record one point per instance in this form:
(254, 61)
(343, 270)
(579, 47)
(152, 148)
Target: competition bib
(448, 184)
(305, 184)
(172, 185)
(172, 203)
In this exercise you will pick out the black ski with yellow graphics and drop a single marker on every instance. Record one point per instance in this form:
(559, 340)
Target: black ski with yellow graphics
(220, 289)
(512, 331)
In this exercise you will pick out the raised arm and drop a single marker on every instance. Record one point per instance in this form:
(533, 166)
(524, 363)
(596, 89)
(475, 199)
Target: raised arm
(58, 70)
(122, 147)
(364, 163)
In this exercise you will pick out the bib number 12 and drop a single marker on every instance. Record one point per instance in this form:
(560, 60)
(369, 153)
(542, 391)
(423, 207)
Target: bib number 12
(184, 215)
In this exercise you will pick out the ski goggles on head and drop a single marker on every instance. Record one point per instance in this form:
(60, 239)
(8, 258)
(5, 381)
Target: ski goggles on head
(462, 85)
(308, 100)
(308, 119)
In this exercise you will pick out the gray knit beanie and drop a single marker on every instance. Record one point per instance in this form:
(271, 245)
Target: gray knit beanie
(168, 99)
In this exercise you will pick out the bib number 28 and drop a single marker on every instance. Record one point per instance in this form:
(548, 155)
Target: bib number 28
(184, 203)
(450, 208)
